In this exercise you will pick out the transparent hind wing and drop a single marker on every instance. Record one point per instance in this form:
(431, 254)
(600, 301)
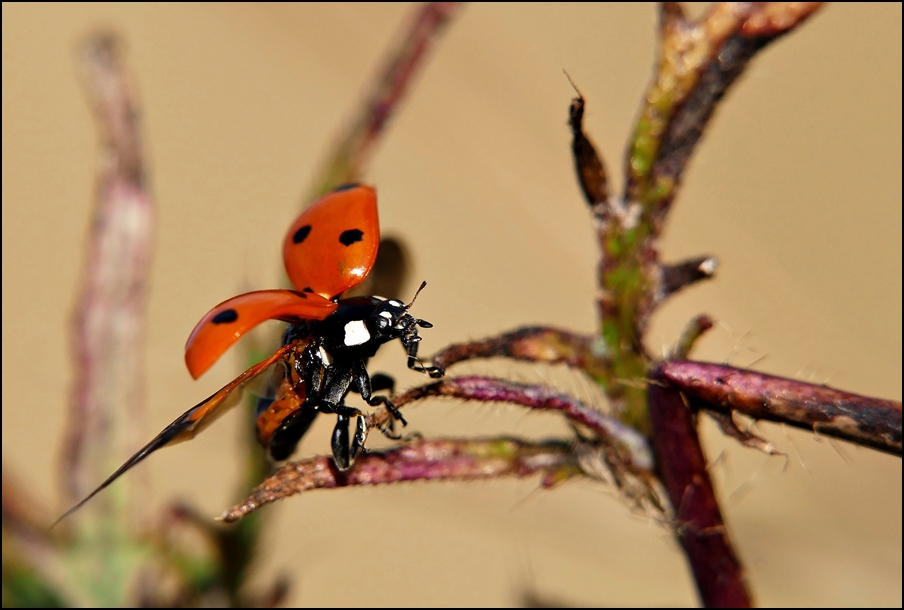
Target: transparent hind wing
(196, 419)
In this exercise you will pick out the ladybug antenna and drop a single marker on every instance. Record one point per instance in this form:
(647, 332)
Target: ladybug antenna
(408, 306)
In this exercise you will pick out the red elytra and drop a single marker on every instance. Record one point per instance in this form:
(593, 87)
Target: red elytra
(333, 244)
(330, 248)
(227, 322)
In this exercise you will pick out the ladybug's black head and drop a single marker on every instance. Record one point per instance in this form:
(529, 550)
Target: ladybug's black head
(391, 320)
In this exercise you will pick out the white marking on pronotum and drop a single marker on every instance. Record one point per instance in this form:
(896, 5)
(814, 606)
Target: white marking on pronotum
(325, 357)
(395, 303)
(356, 333)
(386, 315)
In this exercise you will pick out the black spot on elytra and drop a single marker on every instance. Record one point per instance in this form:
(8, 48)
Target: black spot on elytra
(346, 187)
(308, 289)
(226, 316)
(351, 236)
(301, 234)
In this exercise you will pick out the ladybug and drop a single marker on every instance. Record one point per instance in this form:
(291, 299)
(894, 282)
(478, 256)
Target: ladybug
(329, 249)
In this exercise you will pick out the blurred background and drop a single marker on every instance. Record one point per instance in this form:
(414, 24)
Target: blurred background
(796, 188)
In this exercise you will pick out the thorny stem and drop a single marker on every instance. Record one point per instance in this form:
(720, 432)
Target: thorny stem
(628, 448)
(698, 62)
(617, 360)
(698, 520)
(434, 459)
(617, 454)
(530, 344)
(871, 422)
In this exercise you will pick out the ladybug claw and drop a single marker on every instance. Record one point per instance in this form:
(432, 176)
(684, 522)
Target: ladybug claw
(359, 439)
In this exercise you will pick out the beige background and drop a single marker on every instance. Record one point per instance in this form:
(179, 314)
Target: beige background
(797, 189)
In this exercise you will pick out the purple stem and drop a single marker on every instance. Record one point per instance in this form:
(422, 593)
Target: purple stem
(631, 446)
(698, 521)
(435, 459)
(872, 422)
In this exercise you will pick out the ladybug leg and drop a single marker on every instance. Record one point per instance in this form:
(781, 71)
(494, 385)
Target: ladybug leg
(336, 384)
(380, 382)
(311, 372)
(326, 385)
(362, 381)
(411, 344)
